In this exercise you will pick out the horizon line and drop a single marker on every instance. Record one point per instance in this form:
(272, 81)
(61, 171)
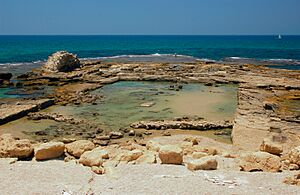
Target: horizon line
(149, 34)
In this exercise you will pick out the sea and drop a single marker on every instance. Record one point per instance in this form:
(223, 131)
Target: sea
(262, 50)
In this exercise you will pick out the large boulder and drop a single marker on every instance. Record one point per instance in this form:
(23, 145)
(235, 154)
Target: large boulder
(77, 148)
(260, 161)
(62, 61)
(204, 163)
(49, 150)
(171, 154)
(11, 148)
(271, 147)
(294, 156)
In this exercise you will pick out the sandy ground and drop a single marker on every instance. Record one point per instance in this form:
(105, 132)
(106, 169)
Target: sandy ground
(57, 177)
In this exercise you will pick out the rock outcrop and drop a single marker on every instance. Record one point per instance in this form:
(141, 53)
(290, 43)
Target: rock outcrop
(61, 61)
(12, 148)
(294, 156)
(171, 154)
(260, 161)
(271, 147)
(77, 148)
(186, 124)
(9, 112)
(94, 157)
(49, 150)
(204, 163)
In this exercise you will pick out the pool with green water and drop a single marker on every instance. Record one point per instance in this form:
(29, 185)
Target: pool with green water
(121, 106)
(121, 103)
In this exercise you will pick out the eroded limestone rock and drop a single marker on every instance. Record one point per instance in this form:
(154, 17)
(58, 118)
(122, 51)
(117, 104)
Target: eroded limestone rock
(93, 157)
(49, 150)
(271, 147)
(204, 163)
(171, 154)
(294, 155)
(62, 61)
(9, 147)
(77, 148)
(260, 161)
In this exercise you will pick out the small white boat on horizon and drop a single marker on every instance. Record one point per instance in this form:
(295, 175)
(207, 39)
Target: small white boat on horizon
(279, 37)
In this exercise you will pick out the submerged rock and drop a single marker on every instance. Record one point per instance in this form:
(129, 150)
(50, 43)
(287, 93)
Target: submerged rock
(147, 104)
(115, 135)
(62, 61)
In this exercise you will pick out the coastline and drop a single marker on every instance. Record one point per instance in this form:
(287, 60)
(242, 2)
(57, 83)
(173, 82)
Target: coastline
(264, 117)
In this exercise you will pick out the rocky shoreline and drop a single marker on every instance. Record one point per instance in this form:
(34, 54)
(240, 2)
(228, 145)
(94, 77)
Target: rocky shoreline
(265, 131)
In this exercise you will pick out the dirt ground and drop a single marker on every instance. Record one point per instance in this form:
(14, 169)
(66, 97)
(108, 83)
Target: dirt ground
(58, 177)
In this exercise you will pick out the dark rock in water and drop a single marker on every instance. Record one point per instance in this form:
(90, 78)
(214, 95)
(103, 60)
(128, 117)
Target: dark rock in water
(131, 133)
(1, 81)
(115, 135)
(62, 61)
(208, 84)
(5, 76)
(270, 106)
(101, 142)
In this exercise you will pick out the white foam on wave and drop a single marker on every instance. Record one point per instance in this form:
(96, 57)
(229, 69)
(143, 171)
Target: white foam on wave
(238, 58)
(260, 61)
(21, 63)
(139, 56)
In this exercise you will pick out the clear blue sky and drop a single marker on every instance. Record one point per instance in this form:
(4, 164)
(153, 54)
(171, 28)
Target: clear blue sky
(130, 17)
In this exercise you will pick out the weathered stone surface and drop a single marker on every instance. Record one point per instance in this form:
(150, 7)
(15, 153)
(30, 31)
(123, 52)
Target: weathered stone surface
(262, 93)
(77, 148)
(197, 155)
(186, 124)
(204, 163)
(93, 157)
(10, 112)
(263, 112)
(129, 156)
(62, 61)
(260, 161)
(9, 147)
(98, 170)
(49, 150)
(271, 147)
(153, 146)
(171, 154)
(293, 180)
(294, 155)
(146, 158)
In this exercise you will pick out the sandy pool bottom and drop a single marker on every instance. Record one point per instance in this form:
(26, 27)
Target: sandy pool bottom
(121, 106)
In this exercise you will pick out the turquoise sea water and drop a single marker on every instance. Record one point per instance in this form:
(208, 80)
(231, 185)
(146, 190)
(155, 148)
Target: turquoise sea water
(266, 50)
